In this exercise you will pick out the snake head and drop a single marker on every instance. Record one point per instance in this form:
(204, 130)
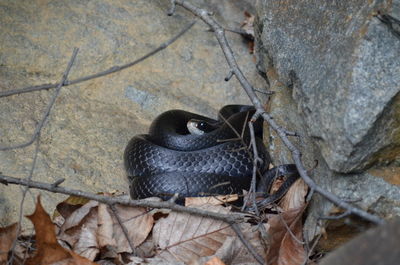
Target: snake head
(199, 127)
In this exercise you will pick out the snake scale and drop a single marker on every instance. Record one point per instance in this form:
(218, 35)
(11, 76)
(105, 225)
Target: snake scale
(170, 160)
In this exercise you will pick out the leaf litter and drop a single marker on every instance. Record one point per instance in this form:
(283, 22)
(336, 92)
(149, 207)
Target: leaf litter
(89, 231)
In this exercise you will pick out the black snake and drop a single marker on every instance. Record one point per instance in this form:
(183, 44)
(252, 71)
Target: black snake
(170, 160)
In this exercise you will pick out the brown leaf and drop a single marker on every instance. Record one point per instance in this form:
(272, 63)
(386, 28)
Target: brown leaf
(213, 200)
(284, 246)
(185, 237)
(215, 261)
(295, 196)
(48, 250)
(137, 221)
(234, 252)
(94, 228)
(86, 234)
(7, 236)
(70, 231)
(105, 227)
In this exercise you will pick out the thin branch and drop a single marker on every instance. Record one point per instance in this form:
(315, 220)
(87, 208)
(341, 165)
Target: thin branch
(100, 74)
(296, 154)
(266, 92)
(310, 251)
(335, 217)
(21, 206)
(288, 228)
(48, 109)
(256, 160)
(230, 218)
(247, 244)
(123, 227)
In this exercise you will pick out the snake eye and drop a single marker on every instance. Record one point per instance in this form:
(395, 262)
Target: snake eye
(201, 125)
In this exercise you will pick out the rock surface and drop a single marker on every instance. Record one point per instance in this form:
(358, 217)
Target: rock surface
(376, 190)
(376, 246)
(343, 64)
(84, 138)
(335, 71)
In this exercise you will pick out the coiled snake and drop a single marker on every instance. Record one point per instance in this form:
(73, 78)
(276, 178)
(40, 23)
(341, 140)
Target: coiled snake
(170, 160)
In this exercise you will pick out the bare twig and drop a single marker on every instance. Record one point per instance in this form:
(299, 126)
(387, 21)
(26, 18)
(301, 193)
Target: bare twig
(48, 109)
(335, 217)
(123, 227)
(288, 228)
(21, 206)
(296, 154)
(58, 182)
(256, 160)
(100, 74)
(247, 244)
(310, 250)
(36, 137)
(230, 218)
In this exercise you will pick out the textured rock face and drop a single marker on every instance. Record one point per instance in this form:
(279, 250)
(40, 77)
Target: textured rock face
(93, 121)
(343, 64)
(335, 71)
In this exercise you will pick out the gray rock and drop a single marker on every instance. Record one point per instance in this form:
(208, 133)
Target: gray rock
(376, 246)
(370, 190)
(92, 122)
(339, 88)
(343, 64)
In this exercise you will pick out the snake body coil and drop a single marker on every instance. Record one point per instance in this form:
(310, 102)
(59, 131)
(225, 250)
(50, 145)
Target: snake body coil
(170, 160)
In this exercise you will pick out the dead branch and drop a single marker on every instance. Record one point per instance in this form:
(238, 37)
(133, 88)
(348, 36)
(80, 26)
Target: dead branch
(247, 244)
(36, 138)
(230, 218)
(46, 114)
(100, 74)
(283, 134)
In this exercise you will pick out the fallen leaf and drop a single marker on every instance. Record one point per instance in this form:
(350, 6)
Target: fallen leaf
(7, 236)
(105, 227)
(184, 237)
(285, 246)
(48, 250)
(137, 221)
(70, 231)
(212, 200)
(94, 229)
(215, 261)
(234, 252)
(295, 196)
(86, 244)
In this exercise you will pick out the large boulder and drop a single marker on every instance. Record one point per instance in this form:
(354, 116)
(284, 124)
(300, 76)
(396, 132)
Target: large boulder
(343, 64)
(335, 70)
(91, 122)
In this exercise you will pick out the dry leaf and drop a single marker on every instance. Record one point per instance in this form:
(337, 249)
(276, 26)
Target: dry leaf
(86, 244)
(7, 236)
(48, 250)
(284, 246)
(105, 227)
(233, 251)
(295, 196)
(185, 237)
(70, 231)
(212, 200)
(137, 221)
(94, 229)
(215, 261)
